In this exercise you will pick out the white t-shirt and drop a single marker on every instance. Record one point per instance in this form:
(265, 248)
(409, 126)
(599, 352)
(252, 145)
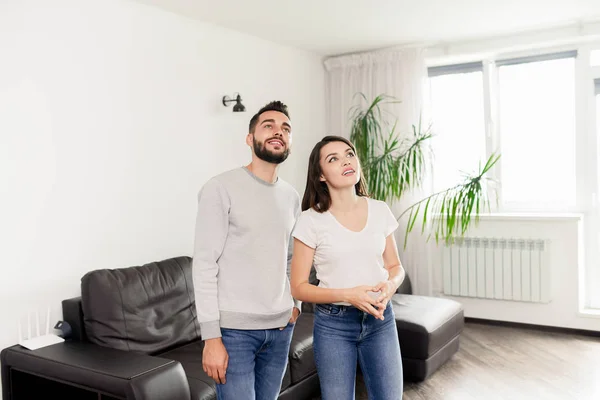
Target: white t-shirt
(344, 258)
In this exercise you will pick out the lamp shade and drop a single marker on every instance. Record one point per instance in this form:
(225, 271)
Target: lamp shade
(239, 107)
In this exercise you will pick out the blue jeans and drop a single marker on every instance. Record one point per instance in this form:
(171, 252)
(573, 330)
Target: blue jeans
(345, 335)
(257, 361)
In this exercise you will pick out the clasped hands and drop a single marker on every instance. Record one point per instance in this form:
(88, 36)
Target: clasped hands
(372, 299)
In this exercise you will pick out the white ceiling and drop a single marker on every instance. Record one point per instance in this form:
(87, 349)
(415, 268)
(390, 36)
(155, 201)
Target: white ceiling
(331, 27)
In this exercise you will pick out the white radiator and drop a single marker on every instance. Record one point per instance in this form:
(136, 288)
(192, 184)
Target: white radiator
(497, 268)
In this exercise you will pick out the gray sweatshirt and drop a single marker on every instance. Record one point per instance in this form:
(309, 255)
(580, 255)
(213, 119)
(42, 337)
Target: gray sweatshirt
(242, 253)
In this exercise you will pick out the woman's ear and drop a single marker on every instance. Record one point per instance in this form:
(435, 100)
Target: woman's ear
(322, 178)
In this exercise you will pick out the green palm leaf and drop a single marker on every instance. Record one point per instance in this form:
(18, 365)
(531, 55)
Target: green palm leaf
(393, 166)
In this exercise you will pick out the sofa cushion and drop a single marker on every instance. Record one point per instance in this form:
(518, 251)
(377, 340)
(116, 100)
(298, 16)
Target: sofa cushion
(426, 324)
(302, 359)
(202, 387)
(148, 308)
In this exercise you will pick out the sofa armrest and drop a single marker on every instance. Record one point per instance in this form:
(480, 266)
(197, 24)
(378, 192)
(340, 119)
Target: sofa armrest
(5, 375)
(73, 314)
(123, 374)
(405, 287)
(308, 307)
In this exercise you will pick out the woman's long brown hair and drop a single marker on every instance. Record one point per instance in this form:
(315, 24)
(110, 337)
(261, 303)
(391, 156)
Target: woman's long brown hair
(316, 194)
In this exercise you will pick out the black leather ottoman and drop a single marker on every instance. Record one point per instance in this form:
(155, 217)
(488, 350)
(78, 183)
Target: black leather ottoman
(428, 331)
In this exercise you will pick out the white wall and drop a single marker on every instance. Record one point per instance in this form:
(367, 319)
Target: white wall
(509, 46)
(110, 122)
(564, 234)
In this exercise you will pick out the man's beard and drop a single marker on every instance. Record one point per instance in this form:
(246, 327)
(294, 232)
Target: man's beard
(261, 152)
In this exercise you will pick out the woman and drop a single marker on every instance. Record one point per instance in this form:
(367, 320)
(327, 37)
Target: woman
(349, 239)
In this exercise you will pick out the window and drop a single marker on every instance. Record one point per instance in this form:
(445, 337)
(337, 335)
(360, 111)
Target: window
(537, 133)
(594, 271)
(533, 125)
(597, 91)
(525, 108)
(595, 58)
(458, 122)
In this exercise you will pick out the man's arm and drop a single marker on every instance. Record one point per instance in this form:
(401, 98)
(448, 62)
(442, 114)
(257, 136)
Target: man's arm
(297, 303)
(212, 224)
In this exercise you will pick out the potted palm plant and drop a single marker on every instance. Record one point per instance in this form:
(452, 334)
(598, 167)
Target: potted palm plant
(394, 166)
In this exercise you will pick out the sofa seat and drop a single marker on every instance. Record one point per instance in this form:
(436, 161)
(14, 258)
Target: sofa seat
(202, 387)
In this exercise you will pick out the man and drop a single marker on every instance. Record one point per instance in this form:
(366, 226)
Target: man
(243, 299)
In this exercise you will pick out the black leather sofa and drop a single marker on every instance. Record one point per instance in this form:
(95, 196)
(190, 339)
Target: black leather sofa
(135, 336)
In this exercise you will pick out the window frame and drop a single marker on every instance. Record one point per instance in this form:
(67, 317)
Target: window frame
(458, 69)
(493, 138)
(589, 274)
(587, 147)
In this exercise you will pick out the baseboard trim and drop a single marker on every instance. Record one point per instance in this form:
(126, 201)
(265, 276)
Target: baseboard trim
(546, 328)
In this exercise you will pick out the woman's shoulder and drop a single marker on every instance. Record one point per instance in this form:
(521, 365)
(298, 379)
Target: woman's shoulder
(312, 217)
(308, 223)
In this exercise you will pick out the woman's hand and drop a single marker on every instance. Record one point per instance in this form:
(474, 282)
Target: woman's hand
(386, 290)
(359, 297)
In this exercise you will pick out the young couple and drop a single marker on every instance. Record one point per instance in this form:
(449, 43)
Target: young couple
(248, 286)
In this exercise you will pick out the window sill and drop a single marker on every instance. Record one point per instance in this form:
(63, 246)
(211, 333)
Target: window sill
(528, 216)
(589, 313)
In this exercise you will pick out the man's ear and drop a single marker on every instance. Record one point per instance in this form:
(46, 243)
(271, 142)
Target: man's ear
(249, 138)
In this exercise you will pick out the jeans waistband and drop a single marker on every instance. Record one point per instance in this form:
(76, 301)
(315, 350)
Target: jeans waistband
(344, 308)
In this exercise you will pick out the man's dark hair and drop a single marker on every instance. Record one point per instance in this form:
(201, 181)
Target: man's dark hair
(272, 106)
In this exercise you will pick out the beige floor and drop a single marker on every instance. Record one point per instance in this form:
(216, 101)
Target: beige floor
(506, 363)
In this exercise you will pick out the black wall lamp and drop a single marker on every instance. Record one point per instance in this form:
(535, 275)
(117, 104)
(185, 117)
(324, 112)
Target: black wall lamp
(238, 107)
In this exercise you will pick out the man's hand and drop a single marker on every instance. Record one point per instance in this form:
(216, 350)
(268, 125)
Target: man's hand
(294, 318)
(215, 359)
(295, 315)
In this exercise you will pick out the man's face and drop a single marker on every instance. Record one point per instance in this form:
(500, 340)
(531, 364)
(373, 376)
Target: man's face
(272, 137)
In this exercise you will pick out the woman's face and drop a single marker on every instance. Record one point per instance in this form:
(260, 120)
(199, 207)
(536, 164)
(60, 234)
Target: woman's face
(339, 165)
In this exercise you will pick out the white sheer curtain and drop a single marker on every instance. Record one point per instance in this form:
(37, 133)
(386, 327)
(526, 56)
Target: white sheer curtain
(398, 73)
(402, 74)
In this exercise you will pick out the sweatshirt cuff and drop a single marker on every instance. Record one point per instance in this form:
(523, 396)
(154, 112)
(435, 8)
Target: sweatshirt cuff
(298, 305)
(210, 330)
